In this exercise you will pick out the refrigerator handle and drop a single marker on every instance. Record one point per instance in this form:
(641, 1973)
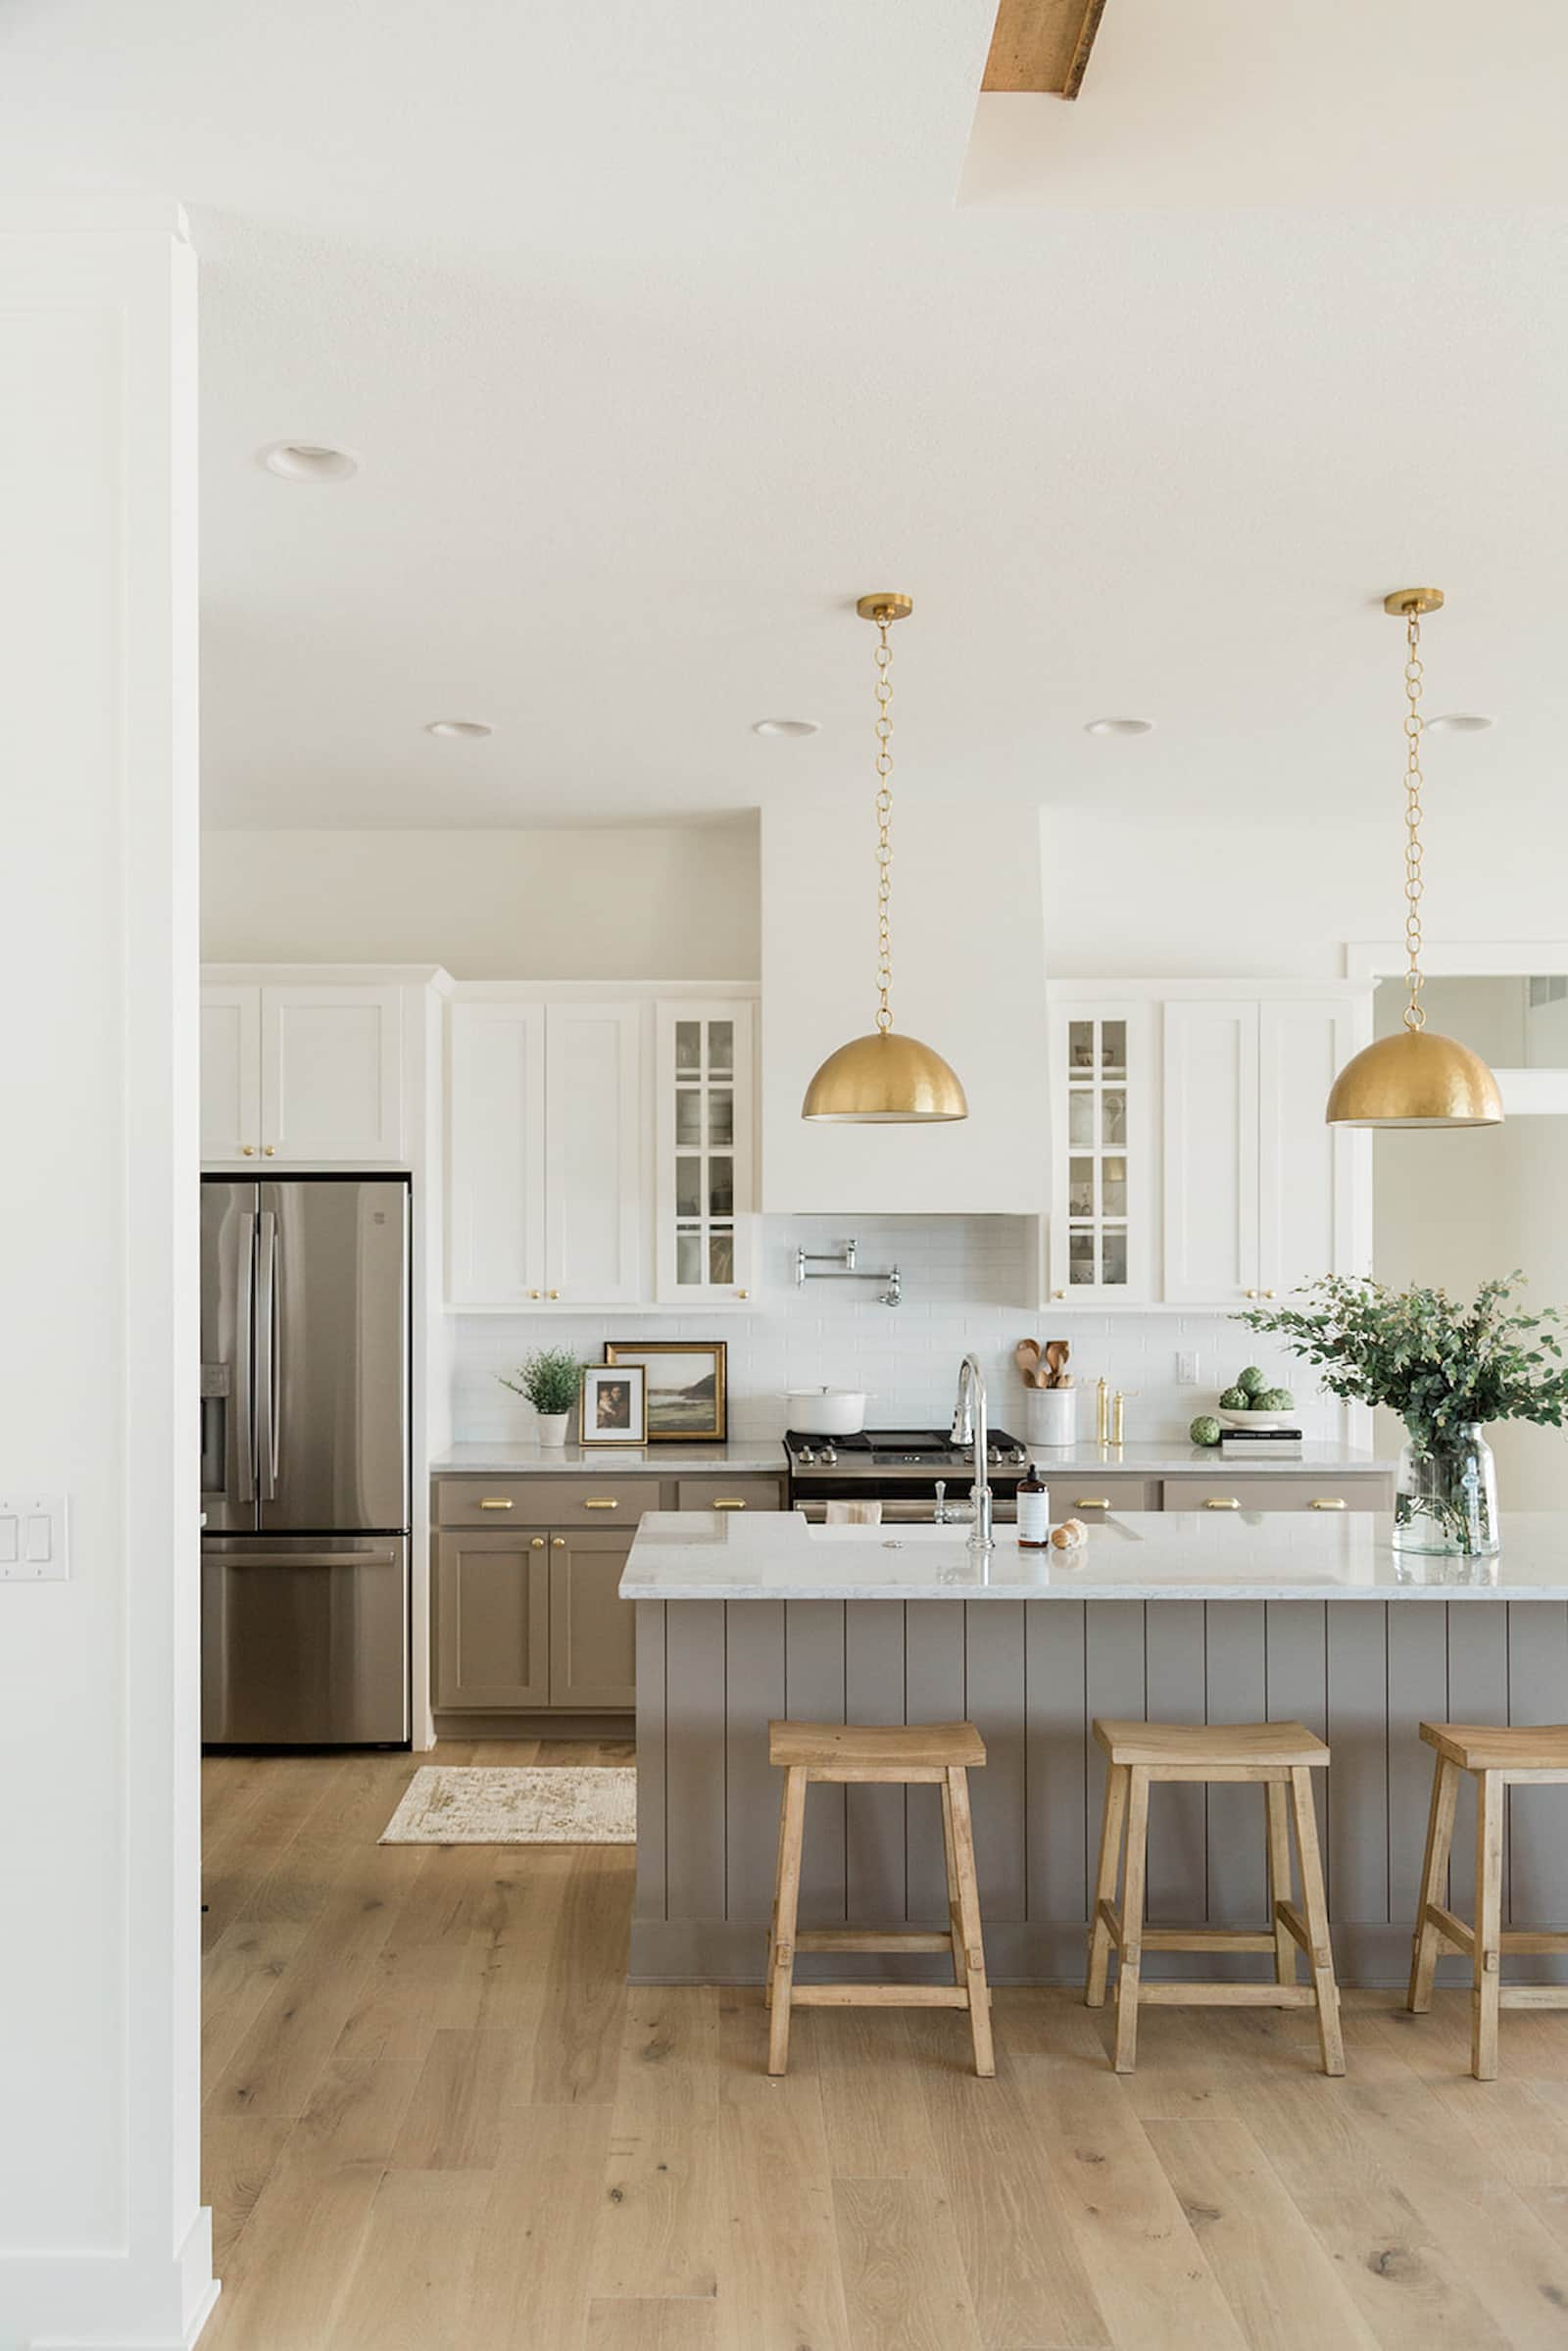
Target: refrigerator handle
(244, 1398)
(266, 1357)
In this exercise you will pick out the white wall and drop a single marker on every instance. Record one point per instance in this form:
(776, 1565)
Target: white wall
(671, 903)
(963, 1277)
(102, 2242)
(968, 979)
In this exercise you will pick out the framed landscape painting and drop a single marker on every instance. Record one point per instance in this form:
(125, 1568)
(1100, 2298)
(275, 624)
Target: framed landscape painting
(686, 1403)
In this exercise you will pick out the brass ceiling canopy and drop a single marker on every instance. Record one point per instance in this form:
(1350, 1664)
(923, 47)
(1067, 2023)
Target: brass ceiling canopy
(1415, 1079)
(882, 1079)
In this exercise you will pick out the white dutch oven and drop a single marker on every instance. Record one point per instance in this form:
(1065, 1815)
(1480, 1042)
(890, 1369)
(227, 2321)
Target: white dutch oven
(826, 1411)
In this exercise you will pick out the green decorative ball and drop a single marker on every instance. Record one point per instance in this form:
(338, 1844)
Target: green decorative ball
(1253, 1380)
(1204, 1430)
(1236, 1400)
(1275, 1399)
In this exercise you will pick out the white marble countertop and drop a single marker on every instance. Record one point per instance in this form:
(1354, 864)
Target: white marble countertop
(764, 1458)
(1174, 1457)
(1137, 1555)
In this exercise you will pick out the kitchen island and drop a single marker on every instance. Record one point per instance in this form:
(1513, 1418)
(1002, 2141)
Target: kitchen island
(1182, 1616)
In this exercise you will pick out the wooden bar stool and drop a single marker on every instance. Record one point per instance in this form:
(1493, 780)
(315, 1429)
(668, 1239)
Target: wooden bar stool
(1499, 1758)
(1282, 1757)
(940, 1753)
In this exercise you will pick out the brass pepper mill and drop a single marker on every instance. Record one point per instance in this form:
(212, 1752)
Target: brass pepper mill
(1103, 1410)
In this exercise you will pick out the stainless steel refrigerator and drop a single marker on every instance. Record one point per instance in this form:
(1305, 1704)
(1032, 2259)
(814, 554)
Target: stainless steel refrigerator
(305, 1461)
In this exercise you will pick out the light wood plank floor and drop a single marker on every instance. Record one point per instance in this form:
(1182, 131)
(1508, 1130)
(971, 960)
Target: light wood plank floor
(437, 2118)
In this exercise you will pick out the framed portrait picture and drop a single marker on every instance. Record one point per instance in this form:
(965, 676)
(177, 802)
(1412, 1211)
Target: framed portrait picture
(614, 1405)
(686, 1403)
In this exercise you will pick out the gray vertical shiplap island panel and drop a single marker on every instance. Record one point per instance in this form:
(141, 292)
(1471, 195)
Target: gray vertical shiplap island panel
(1417, 1693)
(754, 1696)
(873, 1816)
(1538, 1831)
(695, 1804)
(1478, 1693)
(1114, 1687)
(1356, 1856)
(651, 1897)
(814, 1693)
(1174, 1689)
(993, 1680)
(935, 1692)
(1238, 1848)
(1055, 1793)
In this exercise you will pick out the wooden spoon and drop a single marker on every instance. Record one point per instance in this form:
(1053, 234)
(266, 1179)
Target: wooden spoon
(1057, 1353)
(1026, 1354)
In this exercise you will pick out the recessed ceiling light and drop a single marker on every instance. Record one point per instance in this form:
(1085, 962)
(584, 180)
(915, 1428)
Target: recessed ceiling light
(464, 730)
(784, 726)
(309, 461)
(1119, 727)
(1459, 723)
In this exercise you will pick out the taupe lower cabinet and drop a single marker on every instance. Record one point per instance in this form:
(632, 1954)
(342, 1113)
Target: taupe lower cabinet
(593, 1632)
(492, 1644)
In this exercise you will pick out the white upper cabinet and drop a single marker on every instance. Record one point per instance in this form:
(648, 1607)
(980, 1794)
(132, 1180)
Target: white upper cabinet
(704, 1179)
(1191, 1162)
(302, 1073)
(496, 1168)
(1211, 1151)
(232, 1073)
(592, 1154)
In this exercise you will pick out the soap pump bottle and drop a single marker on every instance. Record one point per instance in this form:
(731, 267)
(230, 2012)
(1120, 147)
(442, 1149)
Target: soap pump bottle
(1034, 1509)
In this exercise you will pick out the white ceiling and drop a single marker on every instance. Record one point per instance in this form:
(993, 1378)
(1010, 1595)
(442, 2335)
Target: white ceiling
(660, 332)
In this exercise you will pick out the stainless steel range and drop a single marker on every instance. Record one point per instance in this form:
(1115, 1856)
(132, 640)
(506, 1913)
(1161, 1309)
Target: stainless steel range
(913, 1473)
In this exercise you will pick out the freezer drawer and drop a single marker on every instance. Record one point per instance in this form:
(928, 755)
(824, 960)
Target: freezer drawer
(305, 1641)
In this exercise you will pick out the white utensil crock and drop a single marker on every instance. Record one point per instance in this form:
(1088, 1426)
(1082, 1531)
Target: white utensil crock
(1051, 1415)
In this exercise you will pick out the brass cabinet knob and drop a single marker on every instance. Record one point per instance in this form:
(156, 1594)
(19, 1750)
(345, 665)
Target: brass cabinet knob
(533, 1293)
(743, 1293)
(1058, 1294)
(1220, 1502)
(496, 1501)
(1327, 1501)
(536, 1543)
(558, 1541)
(247, 1151)
(1268, 1293)
(551, 1294)
(269, 1151)
(1249, 1293)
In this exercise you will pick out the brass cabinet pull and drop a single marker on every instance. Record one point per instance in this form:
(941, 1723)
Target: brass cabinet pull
(559, 1541)
(1327, 1501)
(1092, 1501)
(536, 1543)
(1220, 1502)
(728, 1502)
(497, 1501)
(602, 1501)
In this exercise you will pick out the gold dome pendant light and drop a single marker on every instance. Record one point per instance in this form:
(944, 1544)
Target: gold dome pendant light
(883, 1080)
(1414, 1079)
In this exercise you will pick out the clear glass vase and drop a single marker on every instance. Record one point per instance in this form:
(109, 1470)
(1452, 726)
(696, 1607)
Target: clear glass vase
(1445, 1501)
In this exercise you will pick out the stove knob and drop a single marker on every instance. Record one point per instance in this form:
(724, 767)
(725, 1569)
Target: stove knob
(994, 1456)
(1019, 1455)
(807, 1456)
(828, 1458)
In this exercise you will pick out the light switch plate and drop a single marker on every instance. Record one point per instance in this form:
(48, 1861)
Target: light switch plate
(34, 1539)
(1187, 1368)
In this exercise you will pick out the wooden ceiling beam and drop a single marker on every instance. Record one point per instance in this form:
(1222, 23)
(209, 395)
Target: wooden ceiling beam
(1042, 45)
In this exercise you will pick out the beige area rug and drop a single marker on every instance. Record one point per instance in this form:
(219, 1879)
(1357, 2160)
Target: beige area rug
(480, 1804)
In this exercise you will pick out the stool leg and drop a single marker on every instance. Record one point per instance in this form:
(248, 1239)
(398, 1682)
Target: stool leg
(1489, 1927)
(974, 1955)
(1130, 1971)
(1434, 1872)
(781, 1954)
(1111, 1821)
(1315, 1903)
(955, 1920)
(1279, 1877)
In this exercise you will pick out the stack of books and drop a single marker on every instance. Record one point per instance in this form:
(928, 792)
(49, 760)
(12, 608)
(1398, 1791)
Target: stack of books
(1260, 1445)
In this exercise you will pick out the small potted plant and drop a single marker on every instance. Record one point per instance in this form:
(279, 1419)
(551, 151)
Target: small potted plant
(551, 1379)
(1447, 1370)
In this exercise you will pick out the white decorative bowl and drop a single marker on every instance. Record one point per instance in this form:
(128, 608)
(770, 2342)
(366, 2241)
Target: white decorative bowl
(1258, 1420)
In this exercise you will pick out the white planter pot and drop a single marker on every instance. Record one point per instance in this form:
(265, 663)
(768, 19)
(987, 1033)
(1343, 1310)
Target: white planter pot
(551, 1426)
(1051, 1415)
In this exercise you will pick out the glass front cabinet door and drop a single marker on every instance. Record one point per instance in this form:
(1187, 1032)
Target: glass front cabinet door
(1102, 1208)
(703, 1197)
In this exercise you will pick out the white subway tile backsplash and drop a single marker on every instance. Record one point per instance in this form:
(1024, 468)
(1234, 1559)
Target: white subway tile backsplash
(963, 1277)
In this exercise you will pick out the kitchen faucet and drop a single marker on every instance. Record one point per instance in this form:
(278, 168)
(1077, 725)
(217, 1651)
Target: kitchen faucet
(970, 1428)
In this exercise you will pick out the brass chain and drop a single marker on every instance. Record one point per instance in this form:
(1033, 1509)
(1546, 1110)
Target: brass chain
(884, 818)
(1414, 1012)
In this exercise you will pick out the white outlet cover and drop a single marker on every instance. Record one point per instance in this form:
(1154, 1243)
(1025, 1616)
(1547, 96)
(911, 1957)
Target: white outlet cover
(34, 1539)
(1187, 1368)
